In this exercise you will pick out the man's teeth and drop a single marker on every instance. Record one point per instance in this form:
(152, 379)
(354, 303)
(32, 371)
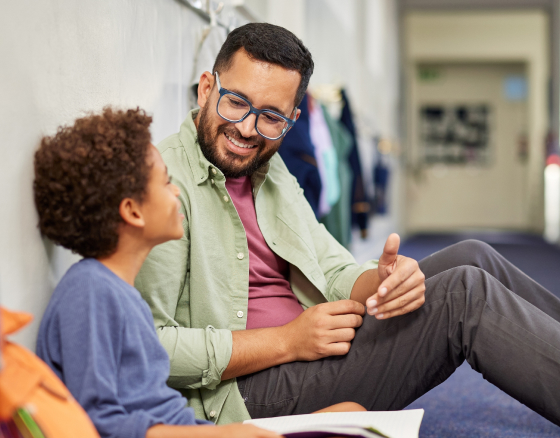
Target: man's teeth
(241, 145)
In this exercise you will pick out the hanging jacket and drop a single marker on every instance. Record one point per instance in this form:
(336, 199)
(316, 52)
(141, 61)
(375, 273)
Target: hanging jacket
(339, 221)
(360, 203)
(299, 155)
(327, 160)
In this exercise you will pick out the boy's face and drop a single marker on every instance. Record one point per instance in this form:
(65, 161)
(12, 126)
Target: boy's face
(160, 209)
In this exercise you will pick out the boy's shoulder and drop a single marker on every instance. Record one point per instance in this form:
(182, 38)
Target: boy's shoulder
(89, 281)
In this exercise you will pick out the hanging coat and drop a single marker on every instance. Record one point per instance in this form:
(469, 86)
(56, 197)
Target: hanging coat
(339, 221)
(360, 203)
(299, 155)
(327, 160)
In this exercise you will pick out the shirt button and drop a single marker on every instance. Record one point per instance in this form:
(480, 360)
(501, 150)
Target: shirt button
(214, 172)
(226, 199)
(212, 181)
(212, 414)
(240, 314)
(240, 256)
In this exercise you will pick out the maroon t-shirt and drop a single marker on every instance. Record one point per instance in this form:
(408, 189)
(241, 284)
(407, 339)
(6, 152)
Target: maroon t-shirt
(271, 300)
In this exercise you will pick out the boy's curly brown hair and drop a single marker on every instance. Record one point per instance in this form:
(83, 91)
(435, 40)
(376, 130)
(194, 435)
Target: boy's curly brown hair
(82, 174)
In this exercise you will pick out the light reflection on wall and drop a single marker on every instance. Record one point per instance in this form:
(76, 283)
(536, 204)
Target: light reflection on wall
(552, 202)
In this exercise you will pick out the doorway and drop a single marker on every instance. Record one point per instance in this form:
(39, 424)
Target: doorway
(471, 147)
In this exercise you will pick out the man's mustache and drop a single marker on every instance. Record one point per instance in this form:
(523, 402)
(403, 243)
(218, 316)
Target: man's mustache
(235, 134)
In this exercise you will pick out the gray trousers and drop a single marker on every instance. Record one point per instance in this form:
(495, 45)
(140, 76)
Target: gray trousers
(479, 308)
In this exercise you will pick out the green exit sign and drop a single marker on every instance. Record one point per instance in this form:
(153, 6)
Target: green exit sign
(429, 74)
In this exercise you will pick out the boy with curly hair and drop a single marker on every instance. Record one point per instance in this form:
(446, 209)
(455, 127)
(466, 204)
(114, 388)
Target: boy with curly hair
(102, 190)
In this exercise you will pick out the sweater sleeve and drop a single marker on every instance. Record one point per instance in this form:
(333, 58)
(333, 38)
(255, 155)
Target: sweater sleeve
(91, 326)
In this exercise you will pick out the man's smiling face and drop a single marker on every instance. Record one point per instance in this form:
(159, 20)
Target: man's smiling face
(236, 148)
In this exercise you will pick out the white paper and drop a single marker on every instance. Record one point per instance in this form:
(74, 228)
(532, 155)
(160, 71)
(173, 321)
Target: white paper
(395, 424)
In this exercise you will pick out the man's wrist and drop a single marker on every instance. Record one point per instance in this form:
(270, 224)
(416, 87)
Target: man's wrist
(286, 344)
(365, 286)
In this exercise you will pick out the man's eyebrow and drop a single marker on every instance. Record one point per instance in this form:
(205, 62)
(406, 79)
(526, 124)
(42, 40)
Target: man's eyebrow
(270, 107)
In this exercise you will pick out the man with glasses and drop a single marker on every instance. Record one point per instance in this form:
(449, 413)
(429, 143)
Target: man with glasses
(263, 313)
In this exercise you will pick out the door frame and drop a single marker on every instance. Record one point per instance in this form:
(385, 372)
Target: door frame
(482, 37)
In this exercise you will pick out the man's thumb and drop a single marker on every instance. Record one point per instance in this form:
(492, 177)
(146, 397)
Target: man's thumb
(390, 250)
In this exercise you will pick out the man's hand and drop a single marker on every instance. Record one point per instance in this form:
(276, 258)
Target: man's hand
(320, 331)
(324, 330)
(402, 285)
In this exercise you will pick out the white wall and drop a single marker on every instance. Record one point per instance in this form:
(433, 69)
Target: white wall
(59, 59)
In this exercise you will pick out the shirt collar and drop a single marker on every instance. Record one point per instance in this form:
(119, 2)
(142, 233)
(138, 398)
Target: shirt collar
(202, 168)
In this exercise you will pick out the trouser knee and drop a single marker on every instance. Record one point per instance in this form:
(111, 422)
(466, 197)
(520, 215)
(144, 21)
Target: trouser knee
(459, 281)
(471, 253)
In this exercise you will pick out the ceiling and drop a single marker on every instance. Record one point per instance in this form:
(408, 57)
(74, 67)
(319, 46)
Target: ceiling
(476, 4)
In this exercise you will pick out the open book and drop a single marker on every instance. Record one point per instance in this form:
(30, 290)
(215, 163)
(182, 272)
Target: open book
(389, 424)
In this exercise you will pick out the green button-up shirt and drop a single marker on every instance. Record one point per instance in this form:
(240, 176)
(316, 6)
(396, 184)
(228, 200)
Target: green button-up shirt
(197, 287)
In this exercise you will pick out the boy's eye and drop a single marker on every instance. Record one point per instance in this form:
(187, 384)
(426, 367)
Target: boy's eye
(169, 179)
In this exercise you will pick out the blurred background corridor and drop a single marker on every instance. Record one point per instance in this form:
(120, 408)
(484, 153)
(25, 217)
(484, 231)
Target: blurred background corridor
(443, 120)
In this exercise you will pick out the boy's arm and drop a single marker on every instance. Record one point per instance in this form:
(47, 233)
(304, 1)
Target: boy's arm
(90, 331)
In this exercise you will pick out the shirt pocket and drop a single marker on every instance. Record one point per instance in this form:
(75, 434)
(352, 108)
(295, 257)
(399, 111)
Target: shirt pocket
(292, 228)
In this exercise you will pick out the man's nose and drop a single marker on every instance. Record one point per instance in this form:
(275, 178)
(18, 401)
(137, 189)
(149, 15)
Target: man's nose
(247, 126)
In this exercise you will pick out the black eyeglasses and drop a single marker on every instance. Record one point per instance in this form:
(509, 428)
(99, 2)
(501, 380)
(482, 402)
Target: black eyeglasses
(234, 108)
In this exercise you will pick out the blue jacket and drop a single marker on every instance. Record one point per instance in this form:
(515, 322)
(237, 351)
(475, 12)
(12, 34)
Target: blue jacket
(298, 153)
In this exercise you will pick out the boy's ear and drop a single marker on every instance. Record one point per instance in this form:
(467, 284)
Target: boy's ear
(131, 213)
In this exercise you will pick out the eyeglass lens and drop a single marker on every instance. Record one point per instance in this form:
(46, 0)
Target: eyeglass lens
(234, 109)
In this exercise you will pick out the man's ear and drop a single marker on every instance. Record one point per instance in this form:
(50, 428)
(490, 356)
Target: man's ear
(131, 213)
(205, 85)
(298, 113)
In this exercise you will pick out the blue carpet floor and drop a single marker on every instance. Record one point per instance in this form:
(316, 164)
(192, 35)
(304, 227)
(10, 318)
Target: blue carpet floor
(466, 405)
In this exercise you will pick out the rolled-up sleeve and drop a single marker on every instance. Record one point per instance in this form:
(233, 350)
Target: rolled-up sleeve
(198, 356)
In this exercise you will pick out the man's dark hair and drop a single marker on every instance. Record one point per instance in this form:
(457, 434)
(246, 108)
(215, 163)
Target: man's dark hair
(269, 43)
(82, 174)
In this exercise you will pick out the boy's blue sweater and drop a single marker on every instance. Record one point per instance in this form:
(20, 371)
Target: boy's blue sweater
(98, 336)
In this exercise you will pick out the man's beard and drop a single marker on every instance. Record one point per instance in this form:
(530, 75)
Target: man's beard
(231, 165)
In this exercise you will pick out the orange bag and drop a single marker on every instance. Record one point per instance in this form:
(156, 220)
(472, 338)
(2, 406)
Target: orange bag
(32, 398)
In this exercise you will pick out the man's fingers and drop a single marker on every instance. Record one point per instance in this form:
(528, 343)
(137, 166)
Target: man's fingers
(414, 280)
(390, 250)
(404, 304)
(342, 335)
(344, 307)
(403, 271)
(345, 321)
(339, 348)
